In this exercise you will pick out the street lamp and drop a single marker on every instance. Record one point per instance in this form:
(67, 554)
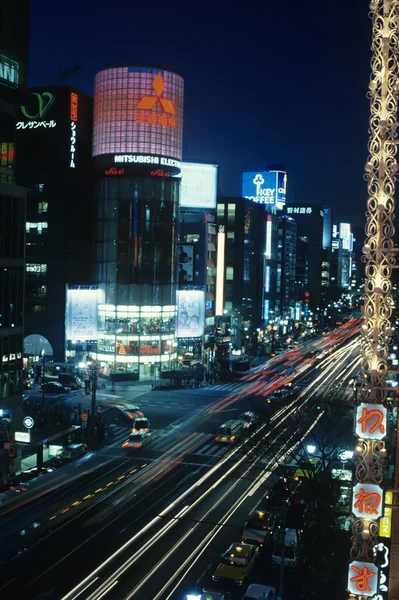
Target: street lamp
(311, 449)
(42, 354)
(93, 381)
(272, 329)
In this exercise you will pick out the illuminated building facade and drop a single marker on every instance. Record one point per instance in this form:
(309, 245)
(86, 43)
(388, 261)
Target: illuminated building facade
(14, 54)
(245, 223)
(54, 130)
(137, 148)
(286, 268)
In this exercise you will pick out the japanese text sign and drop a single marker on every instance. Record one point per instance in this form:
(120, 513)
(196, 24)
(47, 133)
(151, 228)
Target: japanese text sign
(362, 578)
(367, 501)
(371, 421)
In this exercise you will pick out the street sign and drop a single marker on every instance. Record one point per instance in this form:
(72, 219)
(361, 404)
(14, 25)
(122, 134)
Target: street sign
(84, 416)
(28, 422)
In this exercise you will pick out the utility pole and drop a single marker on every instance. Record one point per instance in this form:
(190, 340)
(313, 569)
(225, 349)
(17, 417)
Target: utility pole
(93, 401)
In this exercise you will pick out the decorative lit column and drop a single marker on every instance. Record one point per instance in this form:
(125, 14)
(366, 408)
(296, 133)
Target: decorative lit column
(379, 259)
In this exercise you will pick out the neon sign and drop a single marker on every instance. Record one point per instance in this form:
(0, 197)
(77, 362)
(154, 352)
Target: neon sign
(9, 71)
(147, 159)
(74, 118)
(367, 501)
(160, 173)
(114, 171)
(362, 578)
(371, 421)
(150, 102)
(44, 101)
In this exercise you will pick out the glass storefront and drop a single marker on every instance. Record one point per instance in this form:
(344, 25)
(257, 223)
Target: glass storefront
(135, 267)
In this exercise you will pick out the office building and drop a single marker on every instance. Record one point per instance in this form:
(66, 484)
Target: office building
(54, 131)
(137, 151)
(286, 268)
(14, 60)
(244, 225)
(310, 256)
(197, 254)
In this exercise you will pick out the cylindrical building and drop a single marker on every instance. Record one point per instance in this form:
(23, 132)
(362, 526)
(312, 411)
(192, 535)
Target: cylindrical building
(137, 149)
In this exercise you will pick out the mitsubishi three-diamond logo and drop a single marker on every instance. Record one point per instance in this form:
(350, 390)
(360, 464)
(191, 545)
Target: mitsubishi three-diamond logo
(148, 103)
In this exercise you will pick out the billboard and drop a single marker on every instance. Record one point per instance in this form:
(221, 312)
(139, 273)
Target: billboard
(265, 187)
(198, 185)
(138, 116)
(186, 263)
(81, 321)
(190, 313)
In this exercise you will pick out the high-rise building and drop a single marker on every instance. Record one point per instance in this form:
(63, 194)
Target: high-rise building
(244, 223)
(311, 258)
(14, 60)
(286, 268)
(54, 130)
(197, 256)
(137, 151)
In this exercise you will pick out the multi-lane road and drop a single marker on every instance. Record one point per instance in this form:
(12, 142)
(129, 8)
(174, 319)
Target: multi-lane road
(152, 524)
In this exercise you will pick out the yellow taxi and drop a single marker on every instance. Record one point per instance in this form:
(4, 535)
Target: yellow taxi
(237, 563)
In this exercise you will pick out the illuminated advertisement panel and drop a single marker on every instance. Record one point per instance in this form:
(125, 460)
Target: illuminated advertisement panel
(220, 264)
(190, 313)
(198, 185)
(81, 315)
(186, 263)
(138, 116)
(265, 187)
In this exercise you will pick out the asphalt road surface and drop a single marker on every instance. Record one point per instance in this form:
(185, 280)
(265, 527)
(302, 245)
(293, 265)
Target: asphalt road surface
(153, 523)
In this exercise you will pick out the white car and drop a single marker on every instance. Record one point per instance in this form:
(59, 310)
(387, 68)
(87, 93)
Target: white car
(260, 592)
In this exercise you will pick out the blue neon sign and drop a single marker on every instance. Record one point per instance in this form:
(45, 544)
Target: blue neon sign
(265, 187)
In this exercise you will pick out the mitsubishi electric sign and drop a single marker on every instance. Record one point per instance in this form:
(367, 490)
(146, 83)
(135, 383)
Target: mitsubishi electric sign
(265, 187)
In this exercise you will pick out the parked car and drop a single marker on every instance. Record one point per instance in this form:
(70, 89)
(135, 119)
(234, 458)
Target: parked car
(72, 451)
(53, 387)
(236, 563)
(258, 528)
(69, 380)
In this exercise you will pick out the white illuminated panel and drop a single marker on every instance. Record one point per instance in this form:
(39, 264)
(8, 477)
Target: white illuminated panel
(221, 245)
(82, 315)
(198, 185)
(190, 313)
(268, 252)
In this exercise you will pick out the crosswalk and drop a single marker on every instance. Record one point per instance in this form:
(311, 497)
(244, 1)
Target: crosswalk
(227, 387)
(162, 441)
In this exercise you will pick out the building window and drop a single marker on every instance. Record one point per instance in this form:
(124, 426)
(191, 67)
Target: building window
(220, 212)
(38, 268)
(229, 273)
(42, 207)
(230, 235)
(231, 212)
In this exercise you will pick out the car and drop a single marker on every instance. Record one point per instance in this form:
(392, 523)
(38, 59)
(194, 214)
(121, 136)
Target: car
(72, 451)
(207, 594)
(229, 432)
(258, 528)
(236, 563)
(248, 419)
(53, 387)
(277, 499)
(141, 424)
(132, 412)
(136, 440)
(28, 384)
(274, 397)
(260, 592)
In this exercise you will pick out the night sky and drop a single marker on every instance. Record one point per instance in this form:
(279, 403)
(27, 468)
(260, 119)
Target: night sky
(278, 82)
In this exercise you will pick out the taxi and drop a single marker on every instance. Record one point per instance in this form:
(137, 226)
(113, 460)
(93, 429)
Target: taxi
(136, 440)
(237, 563)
